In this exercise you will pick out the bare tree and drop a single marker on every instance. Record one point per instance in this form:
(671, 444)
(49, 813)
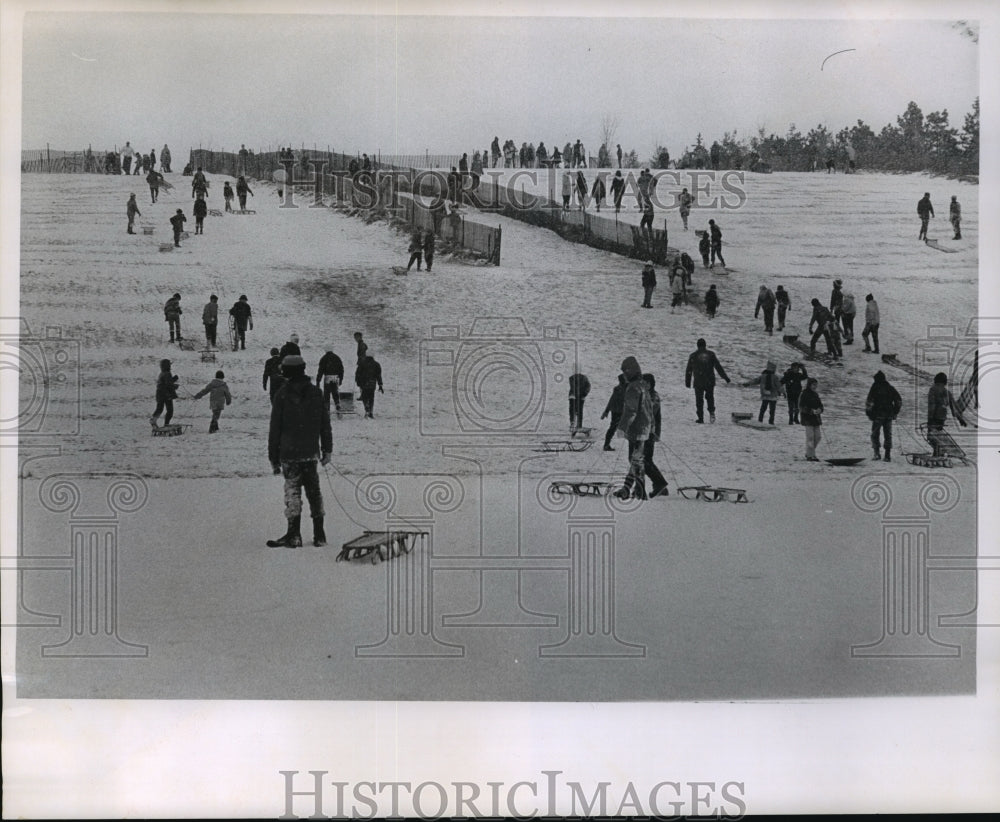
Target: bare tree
(609, 130)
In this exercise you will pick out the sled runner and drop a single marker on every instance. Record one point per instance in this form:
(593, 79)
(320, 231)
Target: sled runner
(747, 421)
(580, 432)
(555, 446)
(929, 460)
(890, 359)
(400, 269)
(381, 545)
(936, 244)
(793, 341)
(245, 211)
(172, 430)
(586, 488)
(709, 493)
(944, 446)
(215, 212)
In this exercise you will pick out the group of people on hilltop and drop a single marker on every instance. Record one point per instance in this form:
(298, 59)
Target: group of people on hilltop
(572, 155)
(131, 162)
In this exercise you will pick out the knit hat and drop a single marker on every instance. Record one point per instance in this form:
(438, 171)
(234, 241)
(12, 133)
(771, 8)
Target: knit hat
(274, 351)
(880, 376)
(630, 368)
(293, 361)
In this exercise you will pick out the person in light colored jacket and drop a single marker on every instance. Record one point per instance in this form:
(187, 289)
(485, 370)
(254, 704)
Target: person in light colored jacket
(218, 398)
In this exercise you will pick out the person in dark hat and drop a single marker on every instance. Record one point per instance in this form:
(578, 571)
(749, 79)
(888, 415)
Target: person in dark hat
(298, 435)
(243, 319)
(882, 406)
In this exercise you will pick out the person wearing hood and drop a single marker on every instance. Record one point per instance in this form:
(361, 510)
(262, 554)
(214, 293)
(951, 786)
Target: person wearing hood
(614, 409)
(635, 425)
(770, 392)
(702, 366)
(704, 247)
(654, 473)
(299, 433)
(882, 406)
(200, 211)
(219, 397)
(939, 403)
(648, 283)
(766, 300)
(784, 304)
(792, 380)
(243, 319)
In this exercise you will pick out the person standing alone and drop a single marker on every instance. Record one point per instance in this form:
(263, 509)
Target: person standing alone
(648, 284)
(210, 319)
(132, 211)
(882, 406)
(702, 367)
(926, 211)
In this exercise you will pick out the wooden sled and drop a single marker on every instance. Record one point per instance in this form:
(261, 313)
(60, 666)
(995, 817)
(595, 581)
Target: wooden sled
(400, 269)
(792, 341)
(709, 493)
(380, 545)
(148, 230)
(166, 246)
(945, 445)
(245, 211)
(936, 244)
(207, 355)
(556, 446)
(747, 421)
(215, 212)
(172, 430)
(586, 488)
(895, 362)
(929, 460)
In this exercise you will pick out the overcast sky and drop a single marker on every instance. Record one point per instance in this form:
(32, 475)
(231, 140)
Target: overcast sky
(406, 84)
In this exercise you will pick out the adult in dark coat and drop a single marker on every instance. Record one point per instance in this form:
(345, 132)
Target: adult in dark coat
(882, 406)
(242, 316)
(172, 314)
(330, 374)
(272, 373)
(210, 319)
(711, 301)
(299, 434)
(654, 473)
(200, 210)
(766, 301)
(617, 190)
(702, 367)
(792, 379)
(368, 376)
(926, 211)
(648, 283)
(177, 224)
(291, 346)
(429, 241)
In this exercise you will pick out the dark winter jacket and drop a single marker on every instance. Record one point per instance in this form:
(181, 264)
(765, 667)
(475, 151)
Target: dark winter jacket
(704, 244)
(300, 423)
(781, 297)
(177, 221)
(172, 309)
(210, 314)
(648, 276)
(716, 235)
(617, 188)
(272, 370)
(711, 299)
(821, 317)
(200, 208)
(131, 208)
(166, 387)
(289, 348)
(636, 421)
(701, 369)
(219, 396)
(924, 207)
(617, 400)
(579, 386)
(939, 402)
(241, 313)
(792, 379)
(765, 300)
(836, 298)
(598, 190)
(330, 364)
(810, 408)
(883, 402)
(770, 384)
(368, 373)
(687, 262)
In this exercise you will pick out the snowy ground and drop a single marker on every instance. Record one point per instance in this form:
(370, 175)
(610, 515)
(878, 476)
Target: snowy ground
(727, 601)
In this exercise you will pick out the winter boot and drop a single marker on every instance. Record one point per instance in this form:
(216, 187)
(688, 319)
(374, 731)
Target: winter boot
(319, 535)
(887, 457)
(877, 455)
(292, 537)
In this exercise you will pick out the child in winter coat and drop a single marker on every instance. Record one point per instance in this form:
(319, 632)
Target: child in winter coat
(770, 391)
(200, 209)
(228, 194)
(416, 251)
(810, 412)
(705, 246)
(166, 393)
(677, 288)
(711, 301)
(219, 398)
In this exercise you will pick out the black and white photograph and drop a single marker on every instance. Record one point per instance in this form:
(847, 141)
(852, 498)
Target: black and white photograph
(498, 409)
